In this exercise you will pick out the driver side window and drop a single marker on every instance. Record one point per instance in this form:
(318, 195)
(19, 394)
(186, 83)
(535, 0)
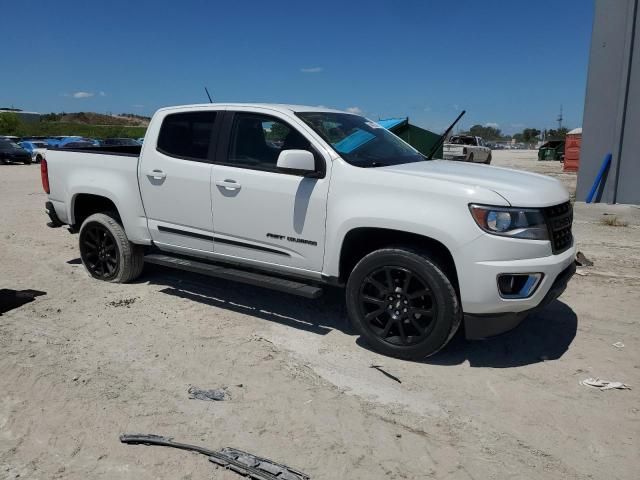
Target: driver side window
(257, 140)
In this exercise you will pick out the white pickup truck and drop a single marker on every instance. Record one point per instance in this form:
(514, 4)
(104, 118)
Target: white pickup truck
(298, 198)
(467, 148)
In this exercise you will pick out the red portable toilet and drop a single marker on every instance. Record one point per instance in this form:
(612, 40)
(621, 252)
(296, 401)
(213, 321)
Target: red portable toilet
(572, 150)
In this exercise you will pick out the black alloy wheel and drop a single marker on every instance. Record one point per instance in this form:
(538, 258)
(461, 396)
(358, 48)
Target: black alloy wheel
(402, 303)
(99, 251)
(397, 305)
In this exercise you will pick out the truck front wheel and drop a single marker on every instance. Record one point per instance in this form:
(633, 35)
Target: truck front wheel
(402, 303)
(106, 252)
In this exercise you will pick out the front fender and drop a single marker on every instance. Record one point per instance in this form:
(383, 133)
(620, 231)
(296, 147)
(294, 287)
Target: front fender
(430, 208)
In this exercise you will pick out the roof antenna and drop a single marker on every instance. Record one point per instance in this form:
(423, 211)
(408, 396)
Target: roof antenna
(205, 89)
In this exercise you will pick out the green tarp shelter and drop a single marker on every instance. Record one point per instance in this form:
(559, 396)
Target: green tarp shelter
(419, 138)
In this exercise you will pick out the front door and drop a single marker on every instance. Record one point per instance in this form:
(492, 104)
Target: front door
(175, 182)
(260, 214)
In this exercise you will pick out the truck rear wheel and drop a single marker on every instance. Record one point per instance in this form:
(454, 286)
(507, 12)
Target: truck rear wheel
(488, 160)
(402, 303)
(470, 159)
(106, 252)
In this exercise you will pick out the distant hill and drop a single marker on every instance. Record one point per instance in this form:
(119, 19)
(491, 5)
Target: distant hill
(92, 118)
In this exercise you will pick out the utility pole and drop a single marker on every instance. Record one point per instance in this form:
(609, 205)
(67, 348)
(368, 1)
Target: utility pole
(559, 119)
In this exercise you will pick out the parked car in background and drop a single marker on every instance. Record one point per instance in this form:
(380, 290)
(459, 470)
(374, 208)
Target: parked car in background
(37, 149)
(12, 152)
(79, 143)
(467, 148)
(119, 142)
(64, 141)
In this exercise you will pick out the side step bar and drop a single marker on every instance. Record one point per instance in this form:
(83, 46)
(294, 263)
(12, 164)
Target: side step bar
(236, 275)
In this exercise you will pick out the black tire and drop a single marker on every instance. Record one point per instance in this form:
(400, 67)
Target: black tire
(38, 158)
(106, 252)
(488, 160)
(470, 159)
(385, 311)
(28, 162)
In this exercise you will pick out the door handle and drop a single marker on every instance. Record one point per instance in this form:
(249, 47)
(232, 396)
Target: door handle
(157, 174)
(228, 184)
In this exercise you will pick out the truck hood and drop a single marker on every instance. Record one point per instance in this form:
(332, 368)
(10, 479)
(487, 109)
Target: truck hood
(520, 189)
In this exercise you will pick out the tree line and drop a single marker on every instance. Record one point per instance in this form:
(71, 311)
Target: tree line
(10, 124)
(527, 135)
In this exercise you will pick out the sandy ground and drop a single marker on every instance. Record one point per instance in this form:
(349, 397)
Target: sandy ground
(89, 361)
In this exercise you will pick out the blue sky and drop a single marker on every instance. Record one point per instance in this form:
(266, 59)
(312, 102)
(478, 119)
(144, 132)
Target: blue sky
(512, 63)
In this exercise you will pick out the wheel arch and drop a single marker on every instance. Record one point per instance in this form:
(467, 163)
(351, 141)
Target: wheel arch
(361, 241)
(85, 204)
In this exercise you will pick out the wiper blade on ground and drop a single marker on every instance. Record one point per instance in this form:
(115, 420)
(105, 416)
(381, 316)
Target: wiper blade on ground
(240, 462)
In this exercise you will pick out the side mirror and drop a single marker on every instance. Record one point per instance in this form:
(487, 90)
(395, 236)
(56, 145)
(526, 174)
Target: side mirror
(296, 161)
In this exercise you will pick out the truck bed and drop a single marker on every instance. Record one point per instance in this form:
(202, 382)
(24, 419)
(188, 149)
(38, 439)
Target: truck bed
(109, 172)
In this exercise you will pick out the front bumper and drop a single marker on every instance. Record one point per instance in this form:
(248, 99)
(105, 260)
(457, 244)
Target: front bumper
(12, 157)
(483, 326)
(480, 262)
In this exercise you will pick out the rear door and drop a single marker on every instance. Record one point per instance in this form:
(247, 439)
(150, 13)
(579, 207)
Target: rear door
(175, 180)
(262, 215)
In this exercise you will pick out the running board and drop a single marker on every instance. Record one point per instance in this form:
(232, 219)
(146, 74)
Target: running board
(236, 275)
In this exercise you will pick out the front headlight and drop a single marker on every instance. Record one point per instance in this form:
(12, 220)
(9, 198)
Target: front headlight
(511, 222)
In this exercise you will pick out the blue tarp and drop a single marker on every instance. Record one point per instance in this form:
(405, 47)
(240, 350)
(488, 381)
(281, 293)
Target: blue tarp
(353, 141)
(389, 123)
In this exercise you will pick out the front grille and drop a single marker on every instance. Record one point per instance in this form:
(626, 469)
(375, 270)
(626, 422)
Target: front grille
(559, 219)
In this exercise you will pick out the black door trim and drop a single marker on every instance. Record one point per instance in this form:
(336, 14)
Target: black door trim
(236, 243)
(224, 241)
(176, 231)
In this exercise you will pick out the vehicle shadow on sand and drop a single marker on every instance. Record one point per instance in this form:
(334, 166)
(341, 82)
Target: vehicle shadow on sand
(543, 336)
(318, 316)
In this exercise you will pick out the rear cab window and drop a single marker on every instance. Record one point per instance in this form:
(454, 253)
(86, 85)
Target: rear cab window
(188, 135)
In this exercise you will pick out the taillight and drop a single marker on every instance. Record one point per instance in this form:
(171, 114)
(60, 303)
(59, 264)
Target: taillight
(44, 173)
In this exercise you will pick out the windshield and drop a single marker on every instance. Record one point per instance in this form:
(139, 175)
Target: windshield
(359, 141)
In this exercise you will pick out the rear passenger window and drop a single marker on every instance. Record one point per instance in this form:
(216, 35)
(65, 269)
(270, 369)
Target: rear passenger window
(187, 135)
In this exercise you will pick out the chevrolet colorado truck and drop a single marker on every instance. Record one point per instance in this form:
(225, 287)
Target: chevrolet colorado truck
(298, 198)
(467, 148)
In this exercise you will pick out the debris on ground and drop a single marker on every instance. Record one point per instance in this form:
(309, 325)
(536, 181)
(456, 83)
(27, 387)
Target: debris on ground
(215, 395)
(126, 302)
(582, 261)
(613, 221)
(618, 345)
(582, 273)
(604, 384)
(386, 374)
(243, 463)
